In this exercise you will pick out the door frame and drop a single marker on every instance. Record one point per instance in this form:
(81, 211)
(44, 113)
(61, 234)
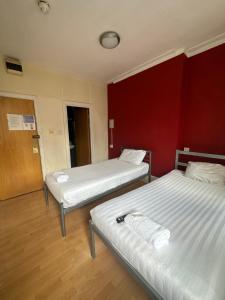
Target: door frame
(82, 105)
(30, 97)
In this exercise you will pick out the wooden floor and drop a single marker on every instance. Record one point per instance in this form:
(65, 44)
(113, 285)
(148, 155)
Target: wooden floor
(36, 263)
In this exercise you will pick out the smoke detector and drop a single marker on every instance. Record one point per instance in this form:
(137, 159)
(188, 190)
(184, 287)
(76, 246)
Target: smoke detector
(44, 6)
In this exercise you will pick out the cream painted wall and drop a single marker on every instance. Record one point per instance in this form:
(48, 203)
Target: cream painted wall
(51, 91)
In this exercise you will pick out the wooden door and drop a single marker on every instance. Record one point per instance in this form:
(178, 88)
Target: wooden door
(82, 136)
(20, 166)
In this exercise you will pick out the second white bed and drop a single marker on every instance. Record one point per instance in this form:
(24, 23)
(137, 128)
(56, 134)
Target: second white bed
(88, 181)
(192, 266)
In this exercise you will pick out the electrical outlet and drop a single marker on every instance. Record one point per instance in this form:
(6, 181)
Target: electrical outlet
(186, 149)
(111, 146)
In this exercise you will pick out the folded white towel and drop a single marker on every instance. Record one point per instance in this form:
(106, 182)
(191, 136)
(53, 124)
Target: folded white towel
(153, 233)
(60, 176)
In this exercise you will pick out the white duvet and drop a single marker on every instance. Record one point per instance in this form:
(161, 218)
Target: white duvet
(192, 266)
(91, 180)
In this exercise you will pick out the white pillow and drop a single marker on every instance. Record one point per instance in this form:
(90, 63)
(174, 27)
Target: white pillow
(133, 156)
(206, 172)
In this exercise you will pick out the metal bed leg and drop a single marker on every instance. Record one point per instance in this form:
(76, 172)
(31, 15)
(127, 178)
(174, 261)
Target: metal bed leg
(62, 219)
(46, 195)
(92, 240)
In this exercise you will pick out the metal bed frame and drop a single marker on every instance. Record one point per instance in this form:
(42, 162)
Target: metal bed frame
(64, 211)
(198, 154)
(93, 229)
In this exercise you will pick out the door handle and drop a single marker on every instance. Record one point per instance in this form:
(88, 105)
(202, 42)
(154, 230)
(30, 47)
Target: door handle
(36, 136)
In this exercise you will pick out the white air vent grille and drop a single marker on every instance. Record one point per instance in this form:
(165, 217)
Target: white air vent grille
(13, 66)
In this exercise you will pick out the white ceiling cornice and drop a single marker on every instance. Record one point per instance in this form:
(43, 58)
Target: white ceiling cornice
(206, 45)
(199, 48)
(148, 64)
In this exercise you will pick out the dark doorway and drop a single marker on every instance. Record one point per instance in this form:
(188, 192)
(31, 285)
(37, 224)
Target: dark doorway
(79, 135)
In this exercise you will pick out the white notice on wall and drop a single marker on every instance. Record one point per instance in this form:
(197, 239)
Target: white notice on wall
(15, 122)
(29, 122)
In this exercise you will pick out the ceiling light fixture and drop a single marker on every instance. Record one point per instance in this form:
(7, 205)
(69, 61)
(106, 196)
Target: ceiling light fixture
(44, 6)
(109, 39)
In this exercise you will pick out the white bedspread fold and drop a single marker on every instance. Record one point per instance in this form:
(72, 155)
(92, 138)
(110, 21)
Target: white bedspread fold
(153, 233)
(60, 176)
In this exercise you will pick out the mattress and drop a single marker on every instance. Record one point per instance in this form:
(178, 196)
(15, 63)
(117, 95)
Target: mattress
(91, 180)
(192, 266)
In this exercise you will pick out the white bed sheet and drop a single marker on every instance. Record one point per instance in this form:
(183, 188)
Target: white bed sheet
(91, 180)
(192, 266)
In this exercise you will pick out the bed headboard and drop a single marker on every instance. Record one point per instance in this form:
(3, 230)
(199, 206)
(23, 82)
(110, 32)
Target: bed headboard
(147, 158)
(195, 154)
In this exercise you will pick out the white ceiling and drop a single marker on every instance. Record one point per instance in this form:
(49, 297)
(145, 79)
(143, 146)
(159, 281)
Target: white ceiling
(67, 38)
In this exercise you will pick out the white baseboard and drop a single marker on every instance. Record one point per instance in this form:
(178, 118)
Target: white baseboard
(154, 178)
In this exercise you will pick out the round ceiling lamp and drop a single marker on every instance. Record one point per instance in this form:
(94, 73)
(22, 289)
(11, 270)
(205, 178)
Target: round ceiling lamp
(44, 6)
(109, 39)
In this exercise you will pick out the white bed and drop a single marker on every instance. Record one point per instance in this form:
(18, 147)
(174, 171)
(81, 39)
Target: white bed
(192, 266)
(91, 180)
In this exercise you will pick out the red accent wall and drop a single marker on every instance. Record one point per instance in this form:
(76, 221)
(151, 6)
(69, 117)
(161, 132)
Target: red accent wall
(204, 115)
(146, 109)
(180, 102)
